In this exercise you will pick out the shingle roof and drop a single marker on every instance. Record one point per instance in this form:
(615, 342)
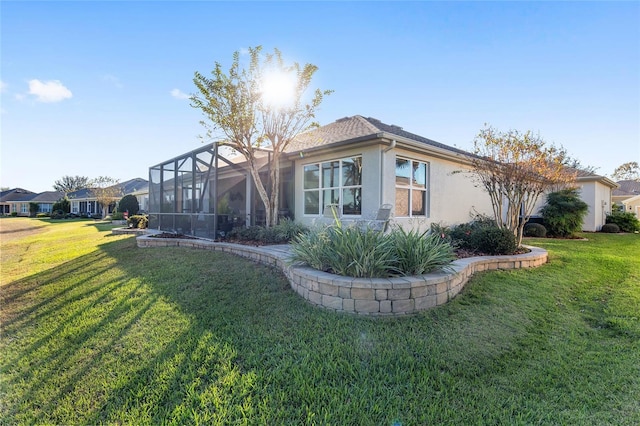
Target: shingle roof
(15, 194)
(627, 188)
(47, 197)
(357, 127)
(127, 187)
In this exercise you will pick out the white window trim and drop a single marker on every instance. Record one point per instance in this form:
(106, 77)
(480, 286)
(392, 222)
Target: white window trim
(320, 189)
(411, 188)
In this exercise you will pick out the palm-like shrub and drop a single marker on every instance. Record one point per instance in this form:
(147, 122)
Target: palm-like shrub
(564, 213)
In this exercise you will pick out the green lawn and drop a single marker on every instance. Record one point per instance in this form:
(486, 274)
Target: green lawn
(95, 330)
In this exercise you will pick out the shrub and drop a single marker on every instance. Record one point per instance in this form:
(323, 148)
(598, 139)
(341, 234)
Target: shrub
(283, 232)
(564, 213)
(494, 241)
(462, 235)
(610, 228)
(356, 252)
(43, 214)
(58, 214)
(138, 221)
(14, 214)
(347, 251)
(129, 203)
(63, 204)
(418, 253)
(534, 230)
(117, 216)
(626, 221)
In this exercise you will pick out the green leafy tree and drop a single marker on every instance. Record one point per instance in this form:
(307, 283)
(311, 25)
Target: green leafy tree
(627, 171)
(129, 203)
(33, 209)
(68, 184)
(564, 213)
(516, 169)
(243, 105)
(63, 205)
(107, 192)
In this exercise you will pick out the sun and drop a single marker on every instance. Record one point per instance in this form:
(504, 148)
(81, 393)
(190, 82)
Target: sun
(278, 89)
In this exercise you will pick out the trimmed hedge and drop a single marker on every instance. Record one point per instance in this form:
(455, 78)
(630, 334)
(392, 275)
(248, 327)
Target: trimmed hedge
(610, 228)
(534, 230)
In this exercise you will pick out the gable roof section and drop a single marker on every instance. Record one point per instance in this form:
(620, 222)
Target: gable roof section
(127, 187)
(359, 128)
(627, 188)
(15, 194)
(47, 197)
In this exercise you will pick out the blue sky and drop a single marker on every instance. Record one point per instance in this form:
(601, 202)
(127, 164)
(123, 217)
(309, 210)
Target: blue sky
(95, 88)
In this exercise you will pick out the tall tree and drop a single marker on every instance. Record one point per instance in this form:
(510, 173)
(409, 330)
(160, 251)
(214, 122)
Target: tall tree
(106, 190)
(627, 171)
(515, 169)
(69, 184)
(258, 107)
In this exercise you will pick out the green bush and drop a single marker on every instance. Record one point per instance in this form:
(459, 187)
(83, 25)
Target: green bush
(138, 221)
(14, 214)
(129, 203)
(347, 251)
(626, 221)
(58, 214)
(564, 213)
(355, 252)
(282, 233)
(534, 230)
(463, 236)
(494, 241)
(610, 228)
(63, 204)
(43, 214)
(117, 216)
(419, 253)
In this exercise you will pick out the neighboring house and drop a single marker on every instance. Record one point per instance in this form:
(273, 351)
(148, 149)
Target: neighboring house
(627, 195)
(84, 202)
(11, 200)
(18, 200)
(596, 191)
(356, 163)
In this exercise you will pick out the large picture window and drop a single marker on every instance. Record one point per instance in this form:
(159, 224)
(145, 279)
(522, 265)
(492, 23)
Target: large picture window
(411, 188)
(334, 182)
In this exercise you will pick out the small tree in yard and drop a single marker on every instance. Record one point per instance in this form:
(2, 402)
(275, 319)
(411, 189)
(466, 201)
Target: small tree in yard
(515, 169)
(106, 190)
(564, 212)
(256, 108)
(129, 203)
(33, 209)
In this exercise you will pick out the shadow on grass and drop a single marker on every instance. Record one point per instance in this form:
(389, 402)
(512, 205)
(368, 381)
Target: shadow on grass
(173, 335)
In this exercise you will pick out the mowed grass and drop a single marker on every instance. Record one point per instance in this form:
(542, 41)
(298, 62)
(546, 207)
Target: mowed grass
(97, 331)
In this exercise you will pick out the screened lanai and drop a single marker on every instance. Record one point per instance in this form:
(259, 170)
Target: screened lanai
(206, 194)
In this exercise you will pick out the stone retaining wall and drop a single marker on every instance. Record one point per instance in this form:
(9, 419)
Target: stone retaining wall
(368, 296)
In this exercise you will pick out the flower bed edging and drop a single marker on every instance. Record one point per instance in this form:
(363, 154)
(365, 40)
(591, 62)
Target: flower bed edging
(367, 296)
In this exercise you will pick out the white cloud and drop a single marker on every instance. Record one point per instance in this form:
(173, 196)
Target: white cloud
(179, 94)
(49, 91)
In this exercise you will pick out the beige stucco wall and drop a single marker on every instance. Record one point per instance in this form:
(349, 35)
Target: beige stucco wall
(453, 198)
(598, 197)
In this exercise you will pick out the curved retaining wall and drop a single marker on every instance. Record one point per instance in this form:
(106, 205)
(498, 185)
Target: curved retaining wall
(368, 296)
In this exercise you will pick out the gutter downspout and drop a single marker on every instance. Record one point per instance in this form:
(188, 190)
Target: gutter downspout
(391, 146)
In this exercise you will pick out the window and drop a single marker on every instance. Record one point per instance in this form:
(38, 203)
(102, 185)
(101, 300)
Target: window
(334, 182)
(411, 188)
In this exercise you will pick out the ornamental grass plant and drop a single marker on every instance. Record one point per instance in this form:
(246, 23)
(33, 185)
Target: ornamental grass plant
(366, 253)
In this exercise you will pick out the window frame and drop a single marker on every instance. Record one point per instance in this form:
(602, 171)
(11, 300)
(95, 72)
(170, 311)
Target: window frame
(339, 188)
(411, 188)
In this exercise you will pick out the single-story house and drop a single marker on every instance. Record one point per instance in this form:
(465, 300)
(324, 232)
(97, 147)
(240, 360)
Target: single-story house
(627, 195)
(10, 200)
(357, 163)
(18, 200)
(84, 201)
